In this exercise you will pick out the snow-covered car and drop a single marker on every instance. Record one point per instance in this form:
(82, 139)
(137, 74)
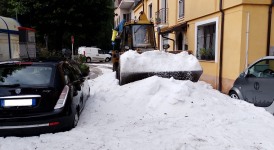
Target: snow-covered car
(40, 97)
(255, 84)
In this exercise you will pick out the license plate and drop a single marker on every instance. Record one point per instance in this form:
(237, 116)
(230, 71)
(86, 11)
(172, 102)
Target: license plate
(18, 102)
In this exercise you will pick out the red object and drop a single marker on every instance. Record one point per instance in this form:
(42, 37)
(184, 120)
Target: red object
(25, 28)
(54, 123)
(72, 39)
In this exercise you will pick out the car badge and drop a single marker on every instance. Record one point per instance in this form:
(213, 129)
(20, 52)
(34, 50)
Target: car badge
(17, 91)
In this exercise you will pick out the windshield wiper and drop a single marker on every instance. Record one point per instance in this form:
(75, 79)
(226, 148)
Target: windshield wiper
(10, 85)
(138, 28)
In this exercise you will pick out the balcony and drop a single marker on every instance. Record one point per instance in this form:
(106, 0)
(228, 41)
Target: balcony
(161, 16)
(125, 4)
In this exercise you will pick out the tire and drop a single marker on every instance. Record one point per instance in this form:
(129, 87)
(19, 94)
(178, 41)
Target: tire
(118, 74)
(234, 95)
(115, 67)
(88, 59)
(107, 59)
(75, 120)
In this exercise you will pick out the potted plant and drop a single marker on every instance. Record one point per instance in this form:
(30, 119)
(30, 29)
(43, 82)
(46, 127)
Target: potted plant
(203, 53)
(211, 54)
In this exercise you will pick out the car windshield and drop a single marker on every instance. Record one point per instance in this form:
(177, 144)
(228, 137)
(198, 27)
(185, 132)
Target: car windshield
(22, 75)
(143, 36)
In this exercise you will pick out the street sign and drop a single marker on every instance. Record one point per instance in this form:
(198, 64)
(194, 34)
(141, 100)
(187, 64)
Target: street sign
(72, 39)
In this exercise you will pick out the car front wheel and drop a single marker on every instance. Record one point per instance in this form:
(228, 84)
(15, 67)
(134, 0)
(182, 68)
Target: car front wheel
(76, 119)
(234, 95)
(88, 60)
(107, 59)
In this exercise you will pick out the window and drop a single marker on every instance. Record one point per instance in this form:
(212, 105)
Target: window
(262, 69)
(126, 17)
(33, 75)
(181, 8)
(206, 39)
(143, 36)
(150, 11)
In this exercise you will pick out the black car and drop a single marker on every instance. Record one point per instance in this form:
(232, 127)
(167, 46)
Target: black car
(40, 97)
(255, 84)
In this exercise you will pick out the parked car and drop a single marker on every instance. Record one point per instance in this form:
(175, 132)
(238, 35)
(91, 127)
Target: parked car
(94, 54)
(255, 85)
(40, 97)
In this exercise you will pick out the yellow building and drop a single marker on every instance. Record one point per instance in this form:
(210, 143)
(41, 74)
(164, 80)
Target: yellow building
(225, 35)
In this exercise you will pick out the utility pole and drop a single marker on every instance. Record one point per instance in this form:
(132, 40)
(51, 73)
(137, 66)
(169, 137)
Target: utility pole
(72, 51)
(46, 41)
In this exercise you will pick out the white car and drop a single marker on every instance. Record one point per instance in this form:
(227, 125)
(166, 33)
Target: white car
(93, 54)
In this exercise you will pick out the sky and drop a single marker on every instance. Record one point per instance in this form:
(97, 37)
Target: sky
(157, 114)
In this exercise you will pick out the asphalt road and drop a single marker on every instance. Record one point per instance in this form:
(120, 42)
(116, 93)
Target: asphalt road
(94, 71)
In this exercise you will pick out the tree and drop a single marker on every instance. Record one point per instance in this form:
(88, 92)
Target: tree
(90, 21)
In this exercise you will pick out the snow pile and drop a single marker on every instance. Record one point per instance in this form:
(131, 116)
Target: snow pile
(158, 114)
(158, 61)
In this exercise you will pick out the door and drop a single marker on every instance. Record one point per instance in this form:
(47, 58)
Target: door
(180, 41)
(258, 84)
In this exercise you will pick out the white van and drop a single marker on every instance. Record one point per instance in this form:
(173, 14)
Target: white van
(93, 54)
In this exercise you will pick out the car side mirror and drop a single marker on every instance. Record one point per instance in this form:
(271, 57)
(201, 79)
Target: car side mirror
(77, 85)
(66, 79)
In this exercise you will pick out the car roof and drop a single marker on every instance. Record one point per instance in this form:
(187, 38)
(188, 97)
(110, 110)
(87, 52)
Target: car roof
(268, 57)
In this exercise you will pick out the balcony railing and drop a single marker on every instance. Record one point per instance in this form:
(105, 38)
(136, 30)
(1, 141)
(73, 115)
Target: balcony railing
(161, 16)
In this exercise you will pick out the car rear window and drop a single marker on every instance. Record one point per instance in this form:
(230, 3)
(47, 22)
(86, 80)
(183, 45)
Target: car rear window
(25, 75)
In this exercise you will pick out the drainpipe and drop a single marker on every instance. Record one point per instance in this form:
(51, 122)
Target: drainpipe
(8, 31)
(143, 6)
(269, 28)
(158, 40)
(247, 39)
(221, 47)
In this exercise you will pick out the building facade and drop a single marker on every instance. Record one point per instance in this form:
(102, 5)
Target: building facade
(225, 35)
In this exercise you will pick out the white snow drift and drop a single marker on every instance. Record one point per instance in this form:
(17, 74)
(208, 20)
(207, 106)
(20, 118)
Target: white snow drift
(158, 61)
(158, 114)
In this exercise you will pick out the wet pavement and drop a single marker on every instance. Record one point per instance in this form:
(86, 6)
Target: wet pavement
(95, 71)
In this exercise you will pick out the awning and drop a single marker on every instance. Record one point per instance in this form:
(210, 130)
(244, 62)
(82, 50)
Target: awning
(176, 27)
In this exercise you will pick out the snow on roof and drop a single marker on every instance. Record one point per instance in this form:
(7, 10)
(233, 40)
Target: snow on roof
(156, 61)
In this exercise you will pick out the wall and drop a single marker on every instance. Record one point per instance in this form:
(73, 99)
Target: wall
(210, 68)
(232, 3)
(272, 34)
(198, 8)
